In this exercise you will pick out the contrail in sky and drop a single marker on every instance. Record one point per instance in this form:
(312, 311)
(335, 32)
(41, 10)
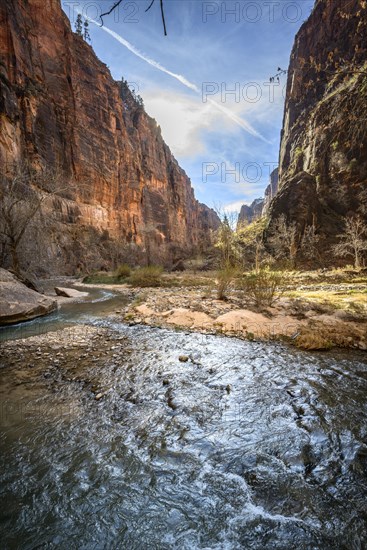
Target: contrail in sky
(239, 121)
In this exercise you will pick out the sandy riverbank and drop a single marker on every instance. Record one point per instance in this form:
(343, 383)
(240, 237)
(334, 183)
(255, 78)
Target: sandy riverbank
(295, 318)
(309, 326)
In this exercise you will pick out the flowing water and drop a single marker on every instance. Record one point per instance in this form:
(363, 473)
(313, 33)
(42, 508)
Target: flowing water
(98, 303)
(245, 445)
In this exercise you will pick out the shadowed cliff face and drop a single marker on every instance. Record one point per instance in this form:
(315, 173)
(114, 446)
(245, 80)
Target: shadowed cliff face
(323, 154)
(60, 107)
(270, 191)
(259, 207)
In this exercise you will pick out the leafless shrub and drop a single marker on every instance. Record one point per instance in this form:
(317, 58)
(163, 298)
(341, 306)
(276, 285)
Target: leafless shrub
(283, 240)
(310, 242)
(353, 241)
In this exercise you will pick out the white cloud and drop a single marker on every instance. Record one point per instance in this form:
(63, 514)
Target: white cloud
(235, 206)
(182, 120)
(183, 80)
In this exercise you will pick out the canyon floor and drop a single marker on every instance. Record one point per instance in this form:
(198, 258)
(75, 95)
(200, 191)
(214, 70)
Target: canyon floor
(316, 310)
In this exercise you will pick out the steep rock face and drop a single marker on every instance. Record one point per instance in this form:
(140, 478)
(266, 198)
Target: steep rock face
(270, 192)
(323, 152)
(60, 108)
(249, 214)
(259, 207)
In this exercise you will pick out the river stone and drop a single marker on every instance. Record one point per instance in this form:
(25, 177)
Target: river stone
(69, 292)
(20, 303)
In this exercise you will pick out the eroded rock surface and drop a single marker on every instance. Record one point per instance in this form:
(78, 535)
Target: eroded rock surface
(61, 108)
(19, 303)
(323, 153)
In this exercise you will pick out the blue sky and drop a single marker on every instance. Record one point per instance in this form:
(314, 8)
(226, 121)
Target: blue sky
(226, 142)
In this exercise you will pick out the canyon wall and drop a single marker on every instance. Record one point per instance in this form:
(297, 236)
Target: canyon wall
(270, 191)
(249, 214)
(61, 109)
(323, 153)
(259, 208)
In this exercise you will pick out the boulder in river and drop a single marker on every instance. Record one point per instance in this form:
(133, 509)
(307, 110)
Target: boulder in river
(19, 303)
(69, 292)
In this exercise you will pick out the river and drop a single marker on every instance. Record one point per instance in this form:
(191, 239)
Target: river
(244, 445)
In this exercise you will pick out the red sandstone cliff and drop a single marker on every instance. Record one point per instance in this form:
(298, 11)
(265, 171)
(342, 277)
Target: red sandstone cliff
(60, 107)
(323, 154)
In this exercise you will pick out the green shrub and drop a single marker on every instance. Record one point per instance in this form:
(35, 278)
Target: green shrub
(123, 271)
(100, 279)
(146, 276)
(224, 280)
(264, 287)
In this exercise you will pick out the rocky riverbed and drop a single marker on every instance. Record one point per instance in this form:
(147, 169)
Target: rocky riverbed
(75, 355)
(308, 325)
(137, 437)
(295, 318)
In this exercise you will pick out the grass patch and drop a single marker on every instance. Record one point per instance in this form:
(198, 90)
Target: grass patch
(101, 279)
(343, 299)
(194, 281)
(123, 271)
(150, 276)
(129, 316)
(312, 339)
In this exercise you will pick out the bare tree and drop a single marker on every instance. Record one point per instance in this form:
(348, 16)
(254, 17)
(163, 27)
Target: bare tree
(152, 239)
(21, 198)
(19, 204)
(353, 241)
(284, 240)
(250, 239)
(309, 243)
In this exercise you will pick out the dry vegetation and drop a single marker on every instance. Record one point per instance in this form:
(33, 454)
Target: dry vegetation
(313, 310)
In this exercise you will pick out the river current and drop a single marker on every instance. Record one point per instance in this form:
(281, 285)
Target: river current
(244, 445)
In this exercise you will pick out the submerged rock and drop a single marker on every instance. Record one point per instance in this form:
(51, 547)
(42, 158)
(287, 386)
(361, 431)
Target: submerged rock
(19, 303)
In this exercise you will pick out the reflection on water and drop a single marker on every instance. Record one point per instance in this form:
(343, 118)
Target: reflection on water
(245, 445)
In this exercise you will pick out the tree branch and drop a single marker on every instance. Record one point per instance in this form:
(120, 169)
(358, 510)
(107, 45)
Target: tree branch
(163, 19)
(150, 5)
(162, 15)
(116, 4)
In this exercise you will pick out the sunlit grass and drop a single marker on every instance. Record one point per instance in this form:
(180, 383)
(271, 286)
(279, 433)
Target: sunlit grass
(340, 299)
